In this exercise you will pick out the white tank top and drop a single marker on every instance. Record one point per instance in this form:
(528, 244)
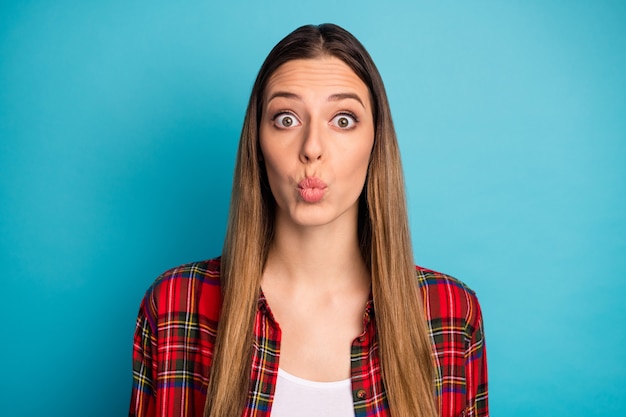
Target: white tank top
(303, 398)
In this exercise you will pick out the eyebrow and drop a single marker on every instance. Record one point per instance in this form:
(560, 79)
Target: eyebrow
(345, 96)
(334, 97)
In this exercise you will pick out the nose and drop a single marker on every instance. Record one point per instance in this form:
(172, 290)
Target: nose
(312, 144)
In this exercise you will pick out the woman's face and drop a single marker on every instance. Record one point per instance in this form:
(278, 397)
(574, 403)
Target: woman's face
(316, 135)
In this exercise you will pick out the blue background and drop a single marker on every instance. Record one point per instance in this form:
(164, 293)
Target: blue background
(118, 130)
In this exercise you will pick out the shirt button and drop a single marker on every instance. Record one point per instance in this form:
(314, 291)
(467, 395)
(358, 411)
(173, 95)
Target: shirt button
(361, 339)
(361, 394)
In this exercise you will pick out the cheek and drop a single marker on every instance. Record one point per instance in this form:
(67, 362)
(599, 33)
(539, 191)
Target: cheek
(266, 153)
(277, 172)
(365, 153)
(274, 165)
(273, 151)
(355, 169)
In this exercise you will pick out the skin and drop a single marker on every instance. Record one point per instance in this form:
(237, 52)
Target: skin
(314, 144)
(316, 123)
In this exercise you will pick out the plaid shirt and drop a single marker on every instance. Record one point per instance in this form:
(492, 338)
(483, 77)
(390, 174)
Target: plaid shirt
(177, 325)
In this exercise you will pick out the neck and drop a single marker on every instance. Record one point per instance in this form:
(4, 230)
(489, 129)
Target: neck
(325, 256)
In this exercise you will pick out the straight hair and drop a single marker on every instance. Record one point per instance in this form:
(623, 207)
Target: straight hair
(407, 363)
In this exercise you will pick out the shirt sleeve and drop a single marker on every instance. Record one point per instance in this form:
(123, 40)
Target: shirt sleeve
(143, 394)
(476, 369)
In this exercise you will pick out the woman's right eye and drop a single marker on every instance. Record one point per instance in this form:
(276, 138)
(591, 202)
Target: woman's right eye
(285, 120)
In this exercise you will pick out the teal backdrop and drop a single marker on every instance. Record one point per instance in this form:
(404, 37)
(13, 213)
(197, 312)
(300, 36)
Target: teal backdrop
(118, 129)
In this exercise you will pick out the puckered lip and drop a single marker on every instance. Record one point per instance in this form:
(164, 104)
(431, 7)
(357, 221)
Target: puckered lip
(312, 182)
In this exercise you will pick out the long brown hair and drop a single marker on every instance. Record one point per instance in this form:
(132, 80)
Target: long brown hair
(405, 350)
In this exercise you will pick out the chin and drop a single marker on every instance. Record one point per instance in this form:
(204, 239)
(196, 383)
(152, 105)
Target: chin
(318, 216)
(311, 221)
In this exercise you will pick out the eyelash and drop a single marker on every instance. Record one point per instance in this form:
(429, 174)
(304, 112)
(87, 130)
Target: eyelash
(281, 113)
(349, 114)
(284, 113)
(289, 113)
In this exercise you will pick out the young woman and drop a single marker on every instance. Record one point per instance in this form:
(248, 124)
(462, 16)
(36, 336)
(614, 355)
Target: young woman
(315, 307)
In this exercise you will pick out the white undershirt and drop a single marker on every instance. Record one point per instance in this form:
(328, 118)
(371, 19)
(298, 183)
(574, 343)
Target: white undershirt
(303, 398)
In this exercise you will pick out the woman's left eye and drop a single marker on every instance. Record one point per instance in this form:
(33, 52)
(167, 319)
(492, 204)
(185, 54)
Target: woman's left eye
(344, 121)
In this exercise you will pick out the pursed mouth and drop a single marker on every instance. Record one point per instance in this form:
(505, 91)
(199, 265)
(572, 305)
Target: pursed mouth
(312, 183)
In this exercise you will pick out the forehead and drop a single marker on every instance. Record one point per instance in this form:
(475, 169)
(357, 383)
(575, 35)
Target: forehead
(324, 74)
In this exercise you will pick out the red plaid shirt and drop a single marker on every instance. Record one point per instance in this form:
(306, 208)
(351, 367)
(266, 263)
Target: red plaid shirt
(177, 324)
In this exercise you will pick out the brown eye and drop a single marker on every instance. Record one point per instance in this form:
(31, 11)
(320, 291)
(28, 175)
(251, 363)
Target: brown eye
(344, 121)
(285, 121)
